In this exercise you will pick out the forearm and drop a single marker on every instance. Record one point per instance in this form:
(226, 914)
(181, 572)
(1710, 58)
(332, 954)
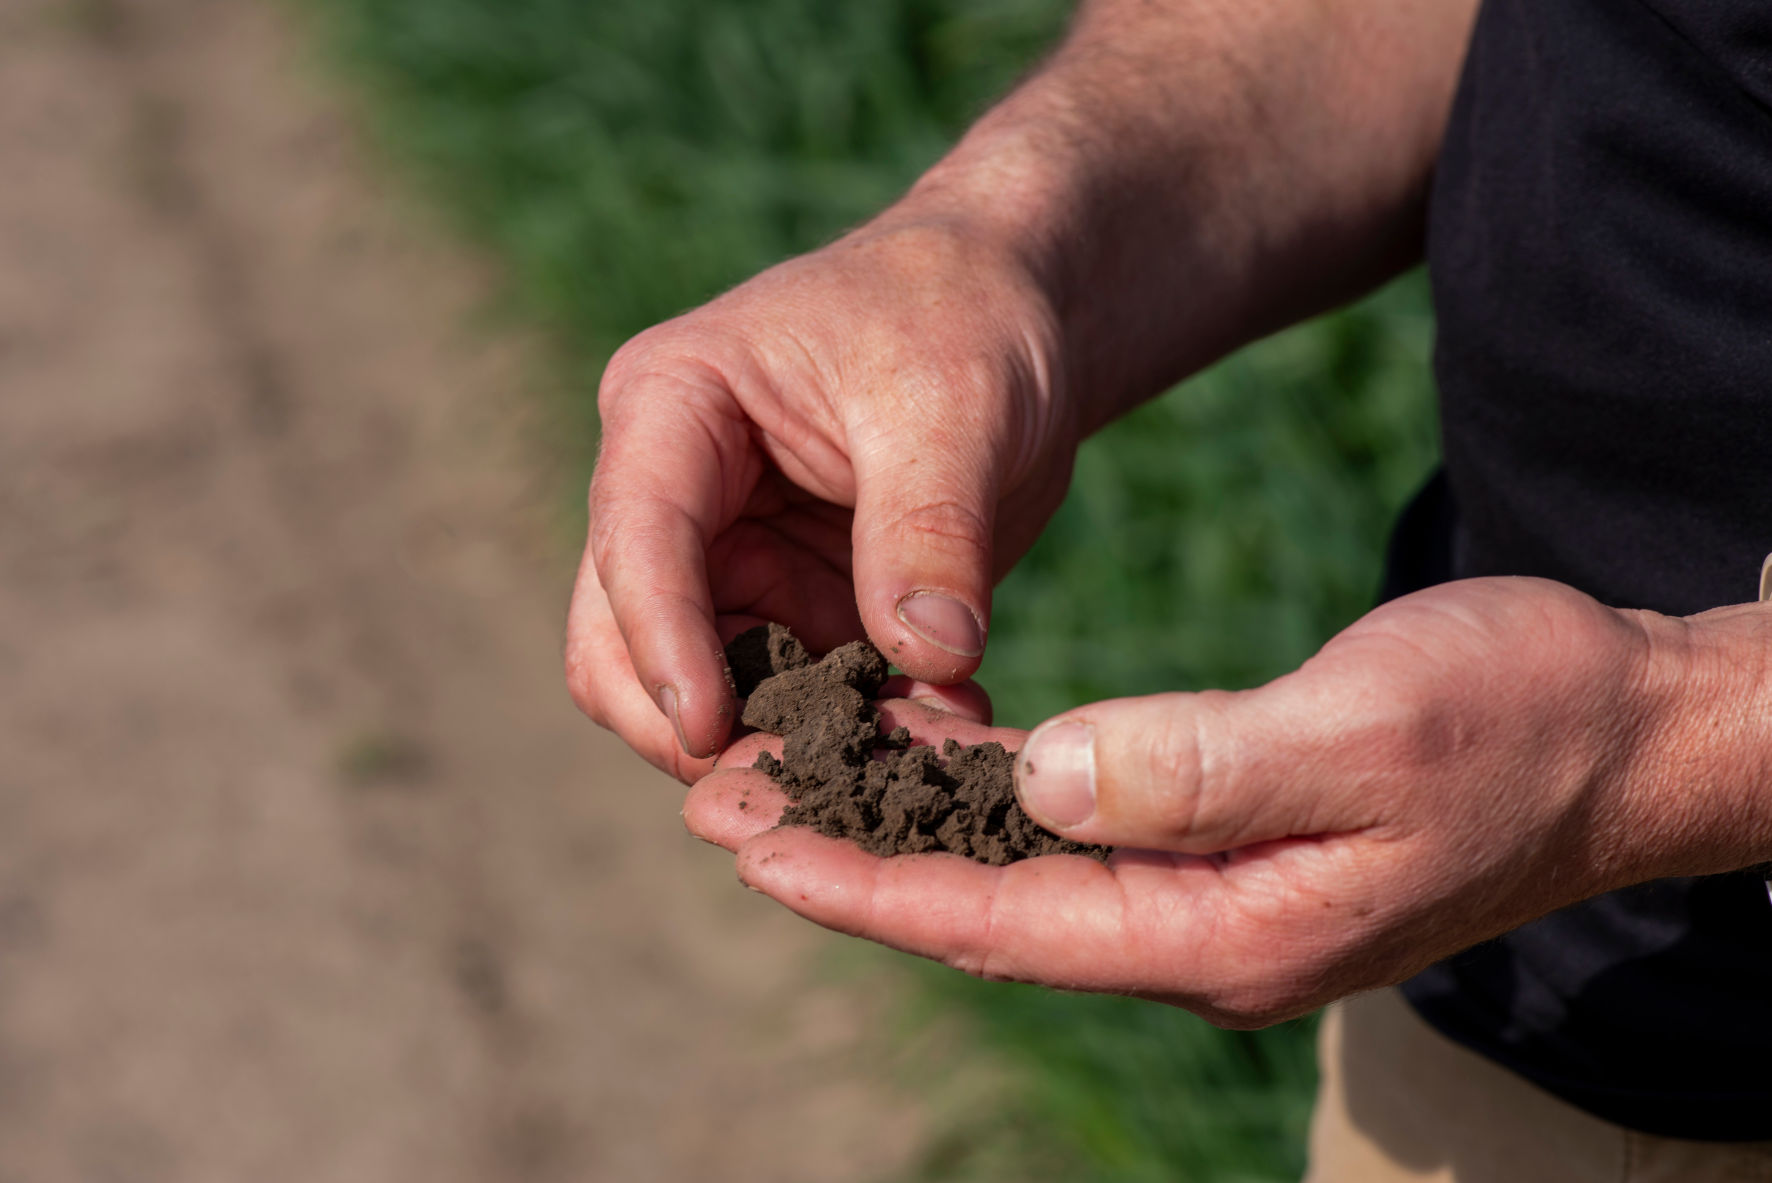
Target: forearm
(1185, 175)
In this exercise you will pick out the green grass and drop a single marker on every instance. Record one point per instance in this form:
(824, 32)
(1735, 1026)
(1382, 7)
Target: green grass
(1118, 1089)
(626, 159)
(630, 158)
(1217, 536)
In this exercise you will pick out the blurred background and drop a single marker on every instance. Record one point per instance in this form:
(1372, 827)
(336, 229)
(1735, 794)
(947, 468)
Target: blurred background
(308, 870)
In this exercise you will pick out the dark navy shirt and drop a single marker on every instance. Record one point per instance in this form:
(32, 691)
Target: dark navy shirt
(1600, 246)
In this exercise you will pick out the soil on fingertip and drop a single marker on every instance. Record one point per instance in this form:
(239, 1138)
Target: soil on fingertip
(882, 792)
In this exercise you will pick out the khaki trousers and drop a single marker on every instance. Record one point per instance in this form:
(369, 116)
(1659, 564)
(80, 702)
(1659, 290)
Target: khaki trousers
(1399, 1101)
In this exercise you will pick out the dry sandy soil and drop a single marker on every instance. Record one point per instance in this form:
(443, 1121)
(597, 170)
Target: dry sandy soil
(308, 870)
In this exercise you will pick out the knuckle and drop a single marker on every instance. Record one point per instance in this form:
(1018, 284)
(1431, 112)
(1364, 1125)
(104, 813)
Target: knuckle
(680, 358)
(618, 376)
(622, 531)
(945, 521)
(582, 685)
(1251, 1016)
(988, 965)
(675, 764)
(603, 533)
(1177, 773)
(970, 962)
(1255, 1005)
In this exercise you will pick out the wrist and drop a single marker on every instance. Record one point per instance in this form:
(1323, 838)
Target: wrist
(958, 293)
(1702, 776)
(1029, 210)
(1104, 208)
(1011, 212)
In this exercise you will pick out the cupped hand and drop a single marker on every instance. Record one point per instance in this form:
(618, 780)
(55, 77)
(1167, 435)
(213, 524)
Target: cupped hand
(861, 440)
(1454, 764)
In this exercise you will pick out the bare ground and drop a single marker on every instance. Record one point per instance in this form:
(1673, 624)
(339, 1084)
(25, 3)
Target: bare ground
(308, 870)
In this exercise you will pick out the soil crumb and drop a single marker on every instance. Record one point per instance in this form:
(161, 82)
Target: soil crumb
(760, 652)
(882, 792)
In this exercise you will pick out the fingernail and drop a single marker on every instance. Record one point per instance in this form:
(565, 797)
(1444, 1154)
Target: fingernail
(1055, 775)
(943, 621)
(667, 702)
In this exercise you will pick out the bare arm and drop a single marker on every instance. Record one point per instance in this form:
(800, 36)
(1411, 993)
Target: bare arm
(1455, 764)
(864, 439)
(1179, 178)
(1186, 175)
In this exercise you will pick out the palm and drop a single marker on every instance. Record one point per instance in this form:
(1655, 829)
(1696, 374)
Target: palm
(786, 558)
(1335, 830)
(1137, 925)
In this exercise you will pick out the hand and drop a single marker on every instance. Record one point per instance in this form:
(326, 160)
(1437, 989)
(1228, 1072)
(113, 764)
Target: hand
(859, 440)
(863, 439)
(1455, 764)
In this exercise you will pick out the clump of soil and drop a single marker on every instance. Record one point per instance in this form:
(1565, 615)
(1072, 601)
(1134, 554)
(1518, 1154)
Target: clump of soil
(881, 792)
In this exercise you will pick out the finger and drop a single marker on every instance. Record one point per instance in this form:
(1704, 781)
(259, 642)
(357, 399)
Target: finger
(1064, 920)
(791, 566)
(729, 807)
(1194, 773)
(671, 475)
(931, 724)
(743, 752)
(924, 514)
(967, 699)
(602, 682)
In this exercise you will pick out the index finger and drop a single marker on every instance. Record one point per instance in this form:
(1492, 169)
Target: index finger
(602, 683)
(674, 468)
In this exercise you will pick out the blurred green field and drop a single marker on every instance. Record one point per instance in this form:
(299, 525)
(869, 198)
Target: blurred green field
(628, 158)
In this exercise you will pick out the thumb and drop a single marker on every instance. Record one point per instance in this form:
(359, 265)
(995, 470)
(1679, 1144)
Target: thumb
(1194, 773)
(924, 516)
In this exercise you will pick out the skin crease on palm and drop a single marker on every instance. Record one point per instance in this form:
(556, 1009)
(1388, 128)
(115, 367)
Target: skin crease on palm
(863, 440)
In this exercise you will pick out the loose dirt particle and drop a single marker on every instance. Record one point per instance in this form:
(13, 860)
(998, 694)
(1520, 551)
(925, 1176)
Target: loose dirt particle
(757, 653)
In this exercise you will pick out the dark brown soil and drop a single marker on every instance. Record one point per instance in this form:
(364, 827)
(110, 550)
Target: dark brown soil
(881, 792)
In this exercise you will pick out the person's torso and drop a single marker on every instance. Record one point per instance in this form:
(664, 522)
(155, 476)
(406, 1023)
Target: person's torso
(1600, 247)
